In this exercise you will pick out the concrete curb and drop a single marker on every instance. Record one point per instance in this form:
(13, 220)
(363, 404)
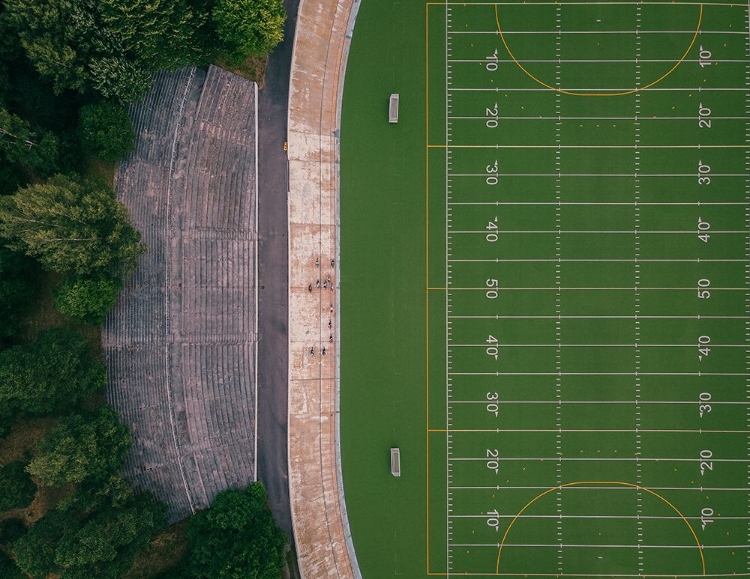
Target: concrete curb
(321, 530)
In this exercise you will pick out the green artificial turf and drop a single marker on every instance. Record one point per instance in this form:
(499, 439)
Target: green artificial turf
(545, 290)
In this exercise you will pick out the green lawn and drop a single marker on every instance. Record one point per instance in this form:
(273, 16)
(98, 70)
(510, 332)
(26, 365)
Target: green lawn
(545, 289)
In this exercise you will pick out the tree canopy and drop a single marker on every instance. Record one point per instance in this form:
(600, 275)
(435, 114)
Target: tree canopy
(35, 150)
(79, 447)
(236, 538)
(95, 534)
(87, 299)
(72, 226)
(105, 130)
(248, 26)
(51, 375)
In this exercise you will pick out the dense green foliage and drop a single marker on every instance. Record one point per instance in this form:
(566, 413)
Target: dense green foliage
(8, 569)
(35, 151)
(87, 299)
(18, 489)
(95, 534)
(248, 26)
(81, 447)
(113, 46)
(51, 375)
(72, 226)
(105, 130)
(236, 538)
(16, 289)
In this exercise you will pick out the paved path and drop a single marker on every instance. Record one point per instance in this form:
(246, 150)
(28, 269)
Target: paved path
(273, 260)
(318, 512)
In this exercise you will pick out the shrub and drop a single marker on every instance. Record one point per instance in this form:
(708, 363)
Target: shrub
(87, 299)
(105, 130)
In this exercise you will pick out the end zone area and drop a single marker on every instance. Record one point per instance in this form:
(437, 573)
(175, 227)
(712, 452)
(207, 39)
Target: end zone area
(579, 343)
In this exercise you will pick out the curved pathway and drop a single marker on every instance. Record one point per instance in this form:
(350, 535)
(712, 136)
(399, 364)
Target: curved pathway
(318, 511)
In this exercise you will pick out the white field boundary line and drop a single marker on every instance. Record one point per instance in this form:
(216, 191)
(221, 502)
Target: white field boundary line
(691, 33)
(601, 487)
(448, 482)
(613, 317)
(596, 61)
(602, 90)
(684, 374)
(593, 403)
(631, 3)
(585, 517)
(604, 203)
(596, 459)
(604, 232)
(588, 118)
(591, 431)
(597, 546)
(602, 175)
(574, 260)
(635, 345)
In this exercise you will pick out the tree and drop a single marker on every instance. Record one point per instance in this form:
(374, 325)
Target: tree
(71, 226)
(119, 78)
(236, 538)
(94, 534)
(105, 130)
(51, 375)
(35, 551)
(158, 33)
(18, 488)
(53, 34)
(111, 46)
(79, 447)
(37, 151)
(248, 26)
(88, 300)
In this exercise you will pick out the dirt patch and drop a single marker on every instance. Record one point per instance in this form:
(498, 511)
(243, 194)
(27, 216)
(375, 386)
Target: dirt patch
(252, 68)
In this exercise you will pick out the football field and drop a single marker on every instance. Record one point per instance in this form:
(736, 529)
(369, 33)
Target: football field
(584, 338)
(589, 416)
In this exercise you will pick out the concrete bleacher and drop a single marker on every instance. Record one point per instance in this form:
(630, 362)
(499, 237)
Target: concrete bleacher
(180, 344)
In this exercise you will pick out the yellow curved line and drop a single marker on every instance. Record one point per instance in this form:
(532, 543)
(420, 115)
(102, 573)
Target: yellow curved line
(599, 94)
(600, 483)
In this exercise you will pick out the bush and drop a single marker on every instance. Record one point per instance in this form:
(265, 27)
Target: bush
(18, 488)
(87, 299)
(248, 27)
(236, 537)
(105, 130)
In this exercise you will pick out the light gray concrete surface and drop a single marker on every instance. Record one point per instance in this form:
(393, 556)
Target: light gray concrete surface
(180, 344)
(318, 512)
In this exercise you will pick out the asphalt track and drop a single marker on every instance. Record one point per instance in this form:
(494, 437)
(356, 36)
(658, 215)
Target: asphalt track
(273, 272)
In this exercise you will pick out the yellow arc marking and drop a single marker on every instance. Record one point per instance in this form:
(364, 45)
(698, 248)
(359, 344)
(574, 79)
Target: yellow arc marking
(600, 483)
(599, 94)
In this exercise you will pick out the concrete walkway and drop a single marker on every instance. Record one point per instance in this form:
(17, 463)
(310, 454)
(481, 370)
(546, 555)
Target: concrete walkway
(318, 511)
